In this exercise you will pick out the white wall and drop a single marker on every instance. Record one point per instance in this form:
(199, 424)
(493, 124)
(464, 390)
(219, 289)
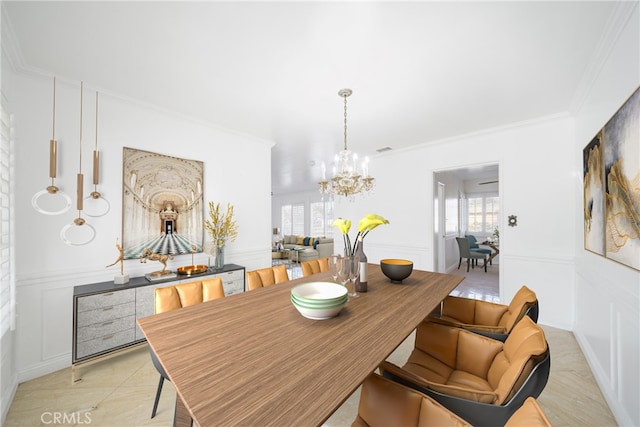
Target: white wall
(535, 159)
(48, 269)
(607, 300)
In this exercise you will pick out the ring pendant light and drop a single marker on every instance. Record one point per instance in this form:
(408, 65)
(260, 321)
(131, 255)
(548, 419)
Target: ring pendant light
(52, 200)
(95, 205)
(79, 232)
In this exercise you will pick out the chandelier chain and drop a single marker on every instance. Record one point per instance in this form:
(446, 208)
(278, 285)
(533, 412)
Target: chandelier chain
(345, 122)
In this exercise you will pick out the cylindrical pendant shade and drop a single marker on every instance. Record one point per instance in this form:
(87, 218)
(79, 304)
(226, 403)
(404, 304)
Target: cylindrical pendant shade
(53, 155)
(80, 186)
(96, 167)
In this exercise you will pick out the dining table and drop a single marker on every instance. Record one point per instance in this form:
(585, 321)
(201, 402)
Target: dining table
(251, 359)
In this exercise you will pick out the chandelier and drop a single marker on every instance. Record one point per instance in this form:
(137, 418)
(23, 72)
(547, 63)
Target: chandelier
(347, 179)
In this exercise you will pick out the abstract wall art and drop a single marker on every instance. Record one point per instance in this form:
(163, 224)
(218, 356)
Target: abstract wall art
(611, 163)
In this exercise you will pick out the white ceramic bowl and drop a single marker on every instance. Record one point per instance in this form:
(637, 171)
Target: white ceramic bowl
(319, 292)
(319, 300)
(319, 313)
(319, 303)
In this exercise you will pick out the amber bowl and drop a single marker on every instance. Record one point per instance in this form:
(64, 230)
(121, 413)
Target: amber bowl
(190, 270)
(396, 269)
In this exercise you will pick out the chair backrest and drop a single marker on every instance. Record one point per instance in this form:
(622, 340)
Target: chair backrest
(463, 245)
(387, 403)
(473, 242)
(314, 266)
(267, 277)
(186, 294)
(524, 299)
(523, 349)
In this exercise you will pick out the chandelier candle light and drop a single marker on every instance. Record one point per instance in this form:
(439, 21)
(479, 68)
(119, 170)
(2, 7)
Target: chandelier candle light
(347, 180)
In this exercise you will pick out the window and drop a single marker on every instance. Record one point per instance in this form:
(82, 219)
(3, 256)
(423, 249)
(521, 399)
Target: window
(321, 218)
(292, 219)
(482, 213)
(7, 278)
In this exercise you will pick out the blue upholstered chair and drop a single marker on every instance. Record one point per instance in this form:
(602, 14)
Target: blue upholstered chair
(473, 247)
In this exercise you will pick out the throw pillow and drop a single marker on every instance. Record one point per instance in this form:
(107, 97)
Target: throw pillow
(305, 241)
(300, 240)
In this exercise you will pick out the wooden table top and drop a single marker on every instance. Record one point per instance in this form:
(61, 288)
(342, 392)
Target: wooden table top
(251, 359)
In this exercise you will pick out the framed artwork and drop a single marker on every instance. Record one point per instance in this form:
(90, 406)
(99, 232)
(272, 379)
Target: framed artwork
(162, 204)
(617, 148)
(593, 180)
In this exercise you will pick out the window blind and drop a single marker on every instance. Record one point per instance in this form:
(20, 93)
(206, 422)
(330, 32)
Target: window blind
(7, 263)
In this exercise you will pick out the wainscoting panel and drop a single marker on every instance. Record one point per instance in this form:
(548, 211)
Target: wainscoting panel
(608, 330)
(552, 279)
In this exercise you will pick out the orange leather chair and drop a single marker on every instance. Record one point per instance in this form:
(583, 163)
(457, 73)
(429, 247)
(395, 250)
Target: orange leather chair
(175, 297)
(386, 403)
(267, 277)
(487, 318)
(480, 379)
(314, 266)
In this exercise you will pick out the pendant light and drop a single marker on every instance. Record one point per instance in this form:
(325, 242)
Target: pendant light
(52, 200)
(95, 204)
(347, 179)
(79, 232)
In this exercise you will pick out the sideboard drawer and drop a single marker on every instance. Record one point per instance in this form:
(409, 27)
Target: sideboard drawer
(103, 329)
(104, 343)
(106, 299)
(233, 282)
(104, 314)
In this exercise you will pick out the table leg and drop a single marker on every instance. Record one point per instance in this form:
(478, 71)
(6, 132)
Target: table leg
(181, 416)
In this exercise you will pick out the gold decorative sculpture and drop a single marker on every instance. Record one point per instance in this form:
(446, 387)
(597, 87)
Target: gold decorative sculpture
(123, 278)
(149, 254)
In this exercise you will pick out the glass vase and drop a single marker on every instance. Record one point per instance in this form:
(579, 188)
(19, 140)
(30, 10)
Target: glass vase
(218, 259)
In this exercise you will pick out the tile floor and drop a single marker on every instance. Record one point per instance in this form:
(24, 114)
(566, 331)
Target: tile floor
(120, 391)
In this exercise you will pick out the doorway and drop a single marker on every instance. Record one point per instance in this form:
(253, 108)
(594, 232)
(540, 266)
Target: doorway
(467, 202)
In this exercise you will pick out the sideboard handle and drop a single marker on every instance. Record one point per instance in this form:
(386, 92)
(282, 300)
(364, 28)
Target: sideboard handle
(108, 337)
(107, 308)
(107, 323)
(107, 294)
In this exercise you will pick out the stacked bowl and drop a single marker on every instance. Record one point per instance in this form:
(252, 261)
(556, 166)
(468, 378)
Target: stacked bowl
(319, 300)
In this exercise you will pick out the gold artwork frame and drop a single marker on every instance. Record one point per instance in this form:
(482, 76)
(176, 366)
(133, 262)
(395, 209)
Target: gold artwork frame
(611, 173)
(162, 204)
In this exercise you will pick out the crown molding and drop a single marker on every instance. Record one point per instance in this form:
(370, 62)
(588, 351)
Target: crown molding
(612, 32)
(10, 46)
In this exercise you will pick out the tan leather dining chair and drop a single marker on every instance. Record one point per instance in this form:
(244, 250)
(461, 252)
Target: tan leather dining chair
(174, 297)
(487, 318)
(480, 379)
(267, 277)
(386, 403)
(314, 266)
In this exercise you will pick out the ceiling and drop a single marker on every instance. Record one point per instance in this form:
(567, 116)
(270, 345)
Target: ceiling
(419, 71)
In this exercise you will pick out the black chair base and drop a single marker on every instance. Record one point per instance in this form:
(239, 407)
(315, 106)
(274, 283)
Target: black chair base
(155, 404)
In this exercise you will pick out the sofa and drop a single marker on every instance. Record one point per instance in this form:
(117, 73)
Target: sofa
(310, 247)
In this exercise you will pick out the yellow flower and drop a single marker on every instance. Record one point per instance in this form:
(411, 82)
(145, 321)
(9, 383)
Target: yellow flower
(221, 225)
(366, 224)
(370, 222)
(344, 225)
